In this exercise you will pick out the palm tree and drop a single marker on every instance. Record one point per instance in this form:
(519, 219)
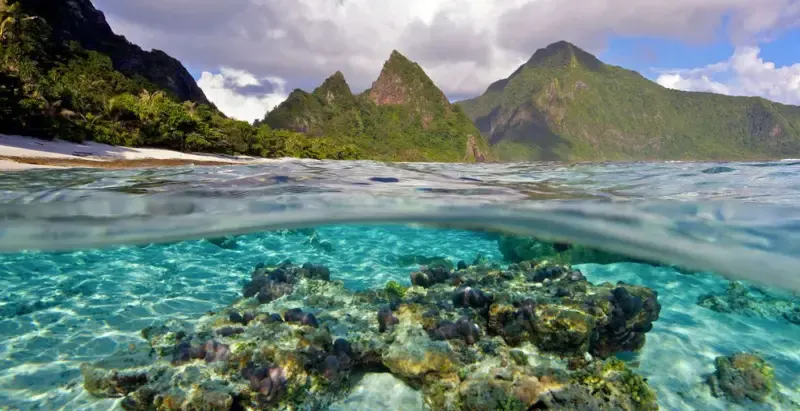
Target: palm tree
(191, 108)
(8, 17)
(147, 98)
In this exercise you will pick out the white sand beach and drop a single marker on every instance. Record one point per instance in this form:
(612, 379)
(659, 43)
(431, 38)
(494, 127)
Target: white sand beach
(18, 153)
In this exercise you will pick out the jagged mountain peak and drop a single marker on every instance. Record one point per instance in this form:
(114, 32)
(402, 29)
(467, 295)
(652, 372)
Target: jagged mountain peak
(403, 81)
(563, 54)
(335, 90)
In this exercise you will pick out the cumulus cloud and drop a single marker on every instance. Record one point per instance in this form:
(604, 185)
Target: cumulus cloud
(744, 74)
(464, 45)
(241, 95)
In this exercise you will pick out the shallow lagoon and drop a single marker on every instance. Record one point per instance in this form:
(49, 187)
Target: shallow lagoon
(62, 309)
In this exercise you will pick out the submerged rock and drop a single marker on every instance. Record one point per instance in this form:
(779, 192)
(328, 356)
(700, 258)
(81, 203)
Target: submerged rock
(609, 321)
(752, 301)
(386, 319)
(297, 316)
(463, 329)
(470, 297)
(270, 284)
(428, 276)
(742, 377)
(516, 249)
(111, 383)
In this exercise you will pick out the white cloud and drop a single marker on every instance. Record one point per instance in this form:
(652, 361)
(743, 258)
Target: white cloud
(744, 74)
(463, 44)
(228, 91)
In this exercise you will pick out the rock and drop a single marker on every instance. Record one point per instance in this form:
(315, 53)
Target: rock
(386, 319)
(316, 272)
(751, 301)
(415, 357)
(270, 284)
(228, 331)
(470, 297)
(463, 329)
(742, 377)
(297, 316)
(572, 397)
(209, 401)
(111, 383)
(631, 314)
(342, 347)
(427, 277)
(210, 351)
(269, 382)
(489, 395)
(562, 329)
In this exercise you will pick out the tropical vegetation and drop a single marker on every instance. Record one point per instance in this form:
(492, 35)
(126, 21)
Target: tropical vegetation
(403, 116)
(52, 87)
(565, 104)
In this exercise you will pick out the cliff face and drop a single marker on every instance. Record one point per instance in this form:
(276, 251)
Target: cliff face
(403, 116)
(565, 104)
(80, 21)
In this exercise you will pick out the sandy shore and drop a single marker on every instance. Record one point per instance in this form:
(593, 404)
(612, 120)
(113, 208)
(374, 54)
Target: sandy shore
(22, 153)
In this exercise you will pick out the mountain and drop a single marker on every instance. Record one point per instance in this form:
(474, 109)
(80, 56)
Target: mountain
(65, 74)
(403, 116)
(565, 104)
(80, 21)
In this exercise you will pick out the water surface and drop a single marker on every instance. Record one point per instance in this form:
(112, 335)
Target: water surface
(94, 256)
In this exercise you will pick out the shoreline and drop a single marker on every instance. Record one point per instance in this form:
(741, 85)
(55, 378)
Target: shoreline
(28, 163)
(18, 153)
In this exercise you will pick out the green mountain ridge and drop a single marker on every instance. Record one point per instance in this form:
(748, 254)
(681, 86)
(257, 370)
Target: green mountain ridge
(565, 104)
(403, 116)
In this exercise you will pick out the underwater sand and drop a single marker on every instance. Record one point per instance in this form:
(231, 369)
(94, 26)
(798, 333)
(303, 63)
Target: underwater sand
(61, 309)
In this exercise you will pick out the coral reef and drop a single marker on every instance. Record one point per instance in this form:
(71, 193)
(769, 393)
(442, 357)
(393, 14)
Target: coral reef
(742, 377)
(752, 301)
(535, 335)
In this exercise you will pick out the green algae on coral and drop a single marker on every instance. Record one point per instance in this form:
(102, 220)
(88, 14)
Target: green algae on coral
(742, 377)
(616, 385)
(395, 290)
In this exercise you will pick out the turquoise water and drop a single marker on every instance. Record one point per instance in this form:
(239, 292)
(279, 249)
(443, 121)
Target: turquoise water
(71, 293)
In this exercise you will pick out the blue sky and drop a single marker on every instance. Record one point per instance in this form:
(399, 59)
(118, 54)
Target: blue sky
(649, 54)
(247, 55)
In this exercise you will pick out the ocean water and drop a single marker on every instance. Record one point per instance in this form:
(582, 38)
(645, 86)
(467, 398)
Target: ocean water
(91, 257)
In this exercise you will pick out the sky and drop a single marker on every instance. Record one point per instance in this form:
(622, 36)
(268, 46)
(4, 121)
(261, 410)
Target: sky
(248, 55)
